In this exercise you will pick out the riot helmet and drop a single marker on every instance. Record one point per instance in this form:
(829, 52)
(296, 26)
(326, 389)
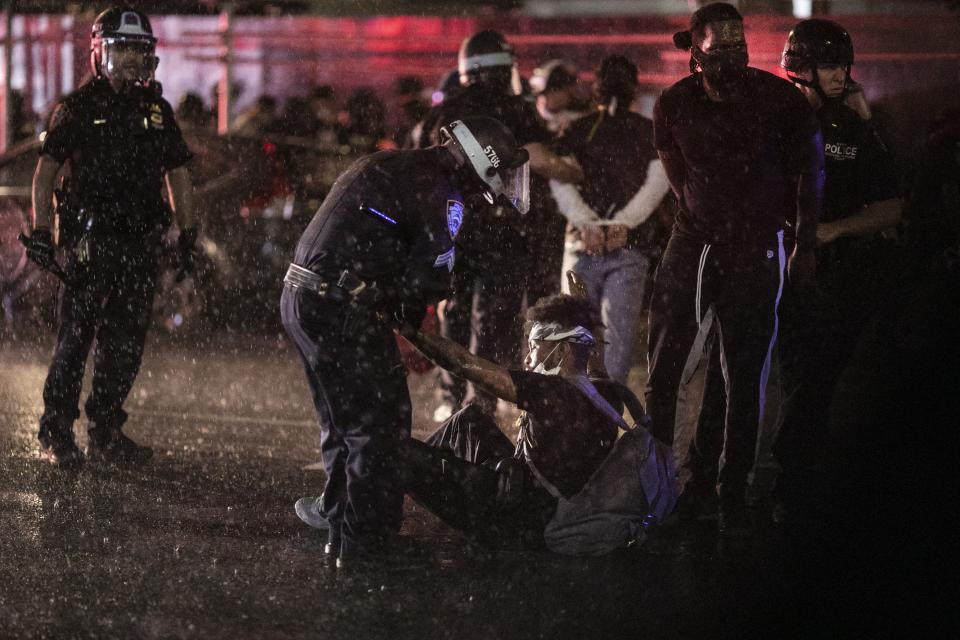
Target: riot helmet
(123, 47)
(489, 161)
(814, 43)
(487, 58)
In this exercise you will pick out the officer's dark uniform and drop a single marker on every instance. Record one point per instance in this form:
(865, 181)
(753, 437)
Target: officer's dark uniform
(853, 278)
(495, 246)
(118, 149)
(386, 231)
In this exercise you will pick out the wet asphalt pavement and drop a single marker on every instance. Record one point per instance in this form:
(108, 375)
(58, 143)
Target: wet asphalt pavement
(203, 542)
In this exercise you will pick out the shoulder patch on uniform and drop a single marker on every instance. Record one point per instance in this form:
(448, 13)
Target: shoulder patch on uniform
(454, 217)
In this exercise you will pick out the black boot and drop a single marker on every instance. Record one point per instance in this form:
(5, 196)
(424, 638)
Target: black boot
(58, 448)
(109, 445)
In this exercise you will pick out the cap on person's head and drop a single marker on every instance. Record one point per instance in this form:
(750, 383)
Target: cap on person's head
(707, 14)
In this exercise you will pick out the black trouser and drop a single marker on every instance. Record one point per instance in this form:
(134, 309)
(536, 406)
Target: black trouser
(359, 389)
(453, 475)
(488, 310)
(545, 229)
(820, 333)
(743, 285)
(706, 445)
(111, 300)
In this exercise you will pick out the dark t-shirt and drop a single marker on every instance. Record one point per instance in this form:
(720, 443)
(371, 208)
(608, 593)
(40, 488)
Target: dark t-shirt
(739, 155)
(615, 153)
(118, 150)
(563, 436)
(390, 219)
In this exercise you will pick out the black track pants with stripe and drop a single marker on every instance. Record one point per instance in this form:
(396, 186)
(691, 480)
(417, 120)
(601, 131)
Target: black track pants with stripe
(743, 284)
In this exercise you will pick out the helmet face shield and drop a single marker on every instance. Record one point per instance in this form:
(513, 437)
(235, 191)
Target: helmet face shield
(127, 59)
(123, 47)
(516, 187)
(506, 181)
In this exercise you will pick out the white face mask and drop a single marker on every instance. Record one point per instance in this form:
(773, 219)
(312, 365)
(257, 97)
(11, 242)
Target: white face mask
(552, 371)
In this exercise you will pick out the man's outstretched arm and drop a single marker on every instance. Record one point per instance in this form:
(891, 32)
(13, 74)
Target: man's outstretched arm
(489, 376)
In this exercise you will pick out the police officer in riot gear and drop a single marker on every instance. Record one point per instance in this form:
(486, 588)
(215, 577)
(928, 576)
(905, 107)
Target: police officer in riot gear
(490, 87)
(120, 141)
(855, 264)
(379, 250)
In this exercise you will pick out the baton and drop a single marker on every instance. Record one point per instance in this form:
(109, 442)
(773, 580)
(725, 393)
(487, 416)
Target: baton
(54, 267)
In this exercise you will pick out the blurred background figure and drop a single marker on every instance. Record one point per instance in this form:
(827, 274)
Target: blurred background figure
(22, 117)
(365, 128)
(323, 105)
(192, 113)
(558, 94)
(27, 292)
(297, 119)
(257, 118)
(409, 107)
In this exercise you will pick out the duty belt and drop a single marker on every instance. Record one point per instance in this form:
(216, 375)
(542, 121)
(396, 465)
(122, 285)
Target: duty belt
(299, 277)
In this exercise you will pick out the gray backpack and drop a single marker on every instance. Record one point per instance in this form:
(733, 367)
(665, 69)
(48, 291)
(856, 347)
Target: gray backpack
(629, 492)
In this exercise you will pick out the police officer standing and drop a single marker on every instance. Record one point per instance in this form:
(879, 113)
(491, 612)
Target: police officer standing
(855, 264)
(490, 87)
(378, 251)
(120, 141)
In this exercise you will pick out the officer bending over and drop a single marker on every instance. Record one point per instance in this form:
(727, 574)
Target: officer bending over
(120, 141)
(378, 251)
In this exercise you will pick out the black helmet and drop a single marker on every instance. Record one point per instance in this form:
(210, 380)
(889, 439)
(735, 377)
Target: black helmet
(487, 154)
(486, 57)
(122, 28)
(815, 42)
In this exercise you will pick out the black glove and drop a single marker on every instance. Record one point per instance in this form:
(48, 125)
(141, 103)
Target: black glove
(40, 247)
(186, 250)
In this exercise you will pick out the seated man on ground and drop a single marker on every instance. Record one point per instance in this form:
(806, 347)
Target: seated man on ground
(471, 476)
